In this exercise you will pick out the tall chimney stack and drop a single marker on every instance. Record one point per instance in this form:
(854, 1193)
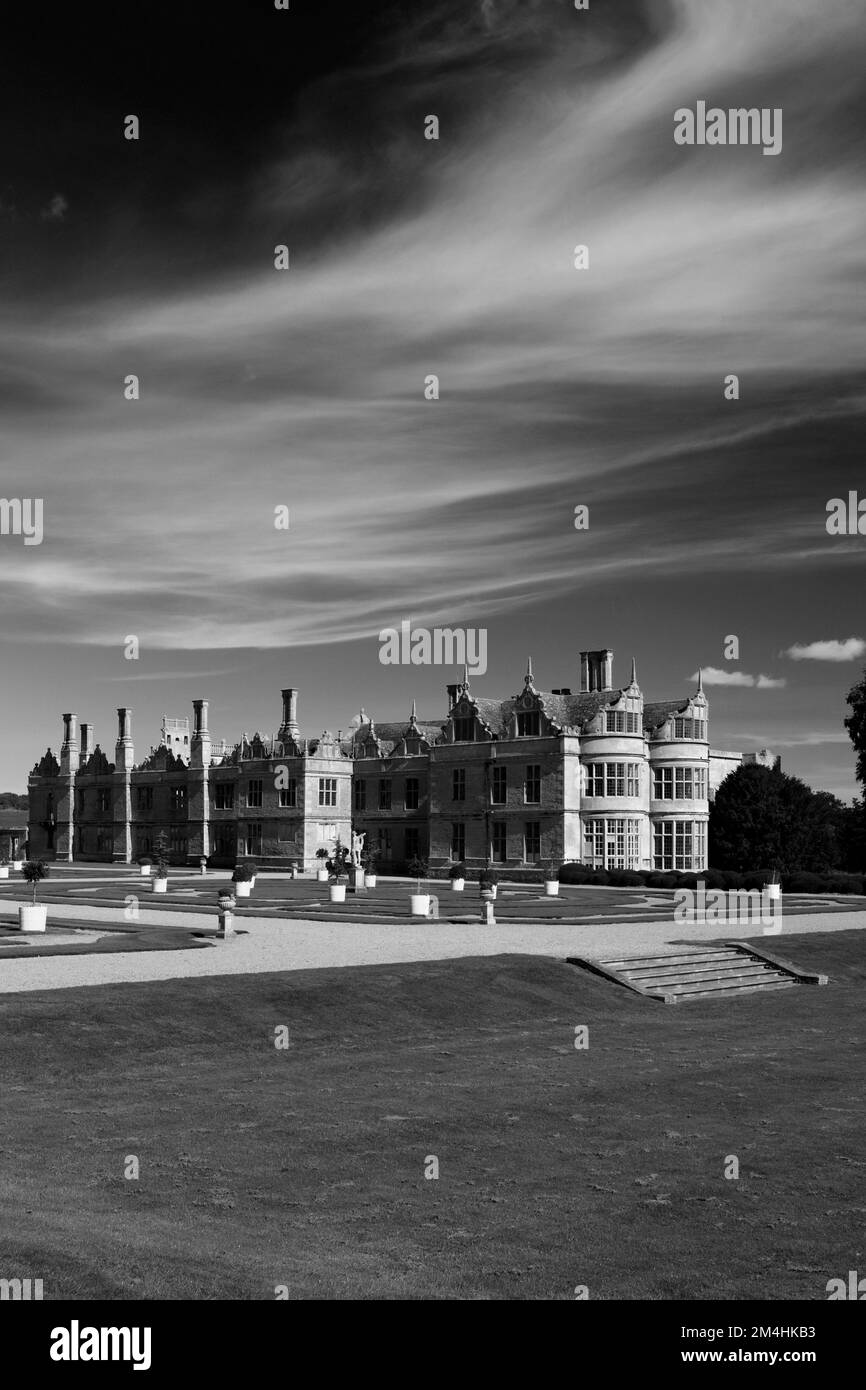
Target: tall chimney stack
(596, 670)
(289, 727)
(86, 741)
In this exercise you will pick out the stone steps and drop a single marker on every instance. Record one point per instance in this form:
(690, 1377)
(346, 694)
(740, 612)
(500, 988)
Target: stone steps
(706, 972)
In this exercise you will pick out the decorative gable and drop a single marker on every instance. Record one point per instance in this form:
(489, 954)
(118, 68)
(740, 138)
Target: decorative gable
(48, 766)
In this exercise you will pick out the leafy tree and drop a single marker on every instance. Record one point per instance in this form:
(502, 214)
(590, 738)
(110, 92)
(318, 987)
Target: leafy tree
(764, 819)
(856, 725)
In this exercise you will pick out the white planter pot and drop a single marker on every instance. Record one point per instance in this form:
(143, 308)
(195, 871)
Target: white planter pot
(4, 870)
(144, 870)
(492, 889)
(18, 864)
(420, 904)
(457, 885)
(322, 875)
(370, 880)
(338, 892)
(31, 917)
(551, 888)
(160, 885)
(243, 890)
(773, 891)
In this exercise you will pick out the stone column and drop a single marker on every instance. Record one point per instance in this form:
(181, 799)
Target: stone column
(121, 800)
(69, 762)
(198, 786)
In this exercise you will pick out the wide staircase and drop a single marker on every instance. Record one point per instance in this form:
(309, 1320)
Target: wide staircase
(711, 972)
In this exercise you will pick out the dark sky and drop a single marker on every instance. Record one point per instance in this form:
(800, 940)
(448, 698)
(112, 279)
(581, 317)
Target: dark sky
(411, 257)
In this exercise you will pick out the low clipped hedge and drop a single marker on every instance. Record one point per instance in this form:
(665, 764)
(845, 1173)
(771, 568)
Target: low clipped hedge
(829, 883)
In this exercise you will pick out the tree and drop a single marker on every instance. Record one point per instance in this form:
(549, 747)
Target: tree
(856, 725)
(764, 819)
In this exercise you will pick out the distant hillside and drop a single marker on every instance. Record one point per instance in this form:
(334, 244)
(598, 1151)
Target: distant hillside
(11, 801)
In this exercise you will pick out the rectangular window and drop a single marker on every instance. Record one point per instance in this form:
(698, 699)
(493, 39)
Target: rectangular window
(633, 832)
(683, 785)
(458, 842)
(81, 802)
(103, 801)
(254, 793)
(663, 783)
(464, 729)
(458, 784)
(360, 796)
(615, 721)
(412, 842)
(678, 846)
(177, 842)
(532, 841)
(701, 730)
(615, 779)
(254, 840)
(632, 722)
(499, 786)
(595, 842)
(412, 793)
(532, 785)
(633, 774)
(595, 779)
(289, 793)
(327, 791)
(224, 796)
(529, 724)
(143, 842)
(385, 794)
(145, 798)
(224, 841)
(385, 849)
(326, 831)
(178, 801)
(699, 851)
(500, 853)
(700, 783)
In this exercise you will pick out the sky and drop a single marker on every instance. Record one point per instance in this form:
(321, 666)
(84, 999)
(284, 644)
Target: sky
(305, 388)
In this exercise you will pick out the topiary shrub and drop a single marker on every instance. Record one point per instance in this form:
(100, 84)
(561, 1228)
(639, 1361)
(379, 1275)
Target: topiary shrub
(575, 873)
(625, 878)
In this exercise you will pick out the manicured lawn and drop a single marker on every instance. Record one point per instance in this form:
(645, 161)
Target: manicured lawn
(557, 1167)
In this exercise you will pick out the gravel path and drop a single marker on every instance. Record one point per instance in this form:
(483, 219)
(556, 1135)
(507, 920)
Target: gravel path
(271, 945)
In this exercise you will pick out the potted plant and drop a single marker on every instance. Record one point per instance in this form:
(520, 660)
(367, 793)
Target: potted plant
(419, 902)
(551, 881)
(322, 873)
(369, 859)
(31, 916)
(243, 880)
(160, 881)
(338, 870)
(145, 864)
(773, 888)
(4, 866)
(253, 874)
(226, 899)
(457, 875)
(488, 880)
(17, 862)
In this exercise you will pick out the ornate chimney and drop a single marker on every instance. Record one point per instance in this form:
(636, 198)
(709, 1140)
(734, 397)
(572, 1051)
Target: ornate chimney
(86, 741)
(596, 670)
(69, 748)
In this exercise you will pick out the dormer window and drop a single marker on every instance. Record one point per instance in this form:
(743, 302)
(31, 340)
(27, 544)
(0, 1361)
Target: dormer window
(529, 724)
(464, 729)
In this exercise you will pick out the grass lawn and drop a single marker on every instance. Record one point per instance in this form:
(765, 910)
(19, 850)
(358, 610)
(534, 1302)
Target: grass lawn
(557, 1167)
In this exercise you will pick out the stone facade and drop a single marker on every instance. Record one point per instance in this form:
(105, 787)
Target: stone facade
(600, 777)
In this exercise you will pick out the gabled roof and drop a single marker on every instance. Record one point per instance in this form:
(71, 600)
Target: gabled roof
(390, 734)
(566, 711)
(657, 711)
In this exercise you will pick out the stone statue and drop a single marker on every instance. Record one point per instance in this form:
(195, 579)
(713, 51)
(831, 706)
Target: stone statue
(357, 846)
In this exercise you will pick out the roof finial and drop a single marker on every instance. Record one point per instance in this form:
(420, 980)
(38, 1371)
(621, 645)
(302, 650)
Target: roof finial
(633, 671)
(465, 676)
(700, 680)
(413, 717)
(528, 678)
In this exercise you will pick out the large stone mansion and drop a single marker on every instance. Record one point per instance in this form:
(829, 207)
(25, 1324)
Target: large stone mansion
(602, 777)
